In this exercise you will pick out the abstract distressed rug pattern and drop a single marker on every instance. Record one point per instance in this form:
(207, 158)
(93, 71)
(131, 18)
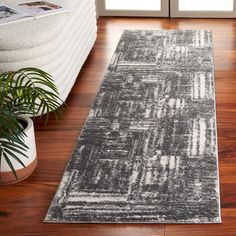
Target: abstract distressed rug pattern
(148, 150)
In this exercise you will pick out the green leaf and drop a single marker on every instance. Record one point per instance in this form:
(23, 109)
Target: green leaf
(15, 157)
(14, 148)
(28, 91)
(10, 164)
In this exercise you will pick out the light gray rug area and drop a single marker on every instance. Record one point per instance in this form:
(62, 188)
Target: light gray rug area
(148, 150)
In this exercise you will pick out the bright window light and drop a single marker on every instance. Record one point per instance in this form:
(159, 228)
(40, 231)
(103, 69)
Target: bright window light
(206, 5)
(142, 5)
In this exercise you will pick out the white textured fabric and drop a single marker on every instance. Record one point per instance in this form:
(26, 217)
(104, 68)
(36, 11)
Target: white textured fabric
(58, 44)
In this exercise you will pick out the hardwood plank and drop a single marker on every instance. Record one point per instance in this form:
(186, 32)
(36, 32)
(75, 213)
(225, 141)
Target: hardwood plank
(24, 205)
(228, 227)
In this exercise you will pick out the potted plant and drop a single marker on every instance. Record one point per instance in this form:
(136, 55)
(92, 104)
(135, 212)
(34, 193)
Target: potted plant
(23, 93)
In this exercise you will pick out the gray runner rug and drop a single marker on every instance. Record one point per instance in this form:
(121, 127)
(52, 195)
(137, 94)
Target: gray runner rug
(148, 150)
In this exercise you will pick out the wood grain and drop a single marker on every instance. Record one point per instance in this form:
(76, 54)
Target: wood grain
(24, 205)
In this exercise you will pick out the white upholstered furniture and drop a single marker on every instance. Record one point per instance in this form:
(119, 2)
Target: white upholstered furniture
(58, 44)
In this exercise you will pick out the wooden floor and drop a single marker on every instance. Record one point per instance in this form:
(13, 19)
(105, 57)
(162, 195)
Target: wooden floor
(24, 205)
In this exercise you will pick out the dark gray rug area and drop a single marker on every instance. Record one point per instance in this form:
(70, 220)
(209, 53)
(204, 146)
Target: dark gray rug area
(148, 150)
